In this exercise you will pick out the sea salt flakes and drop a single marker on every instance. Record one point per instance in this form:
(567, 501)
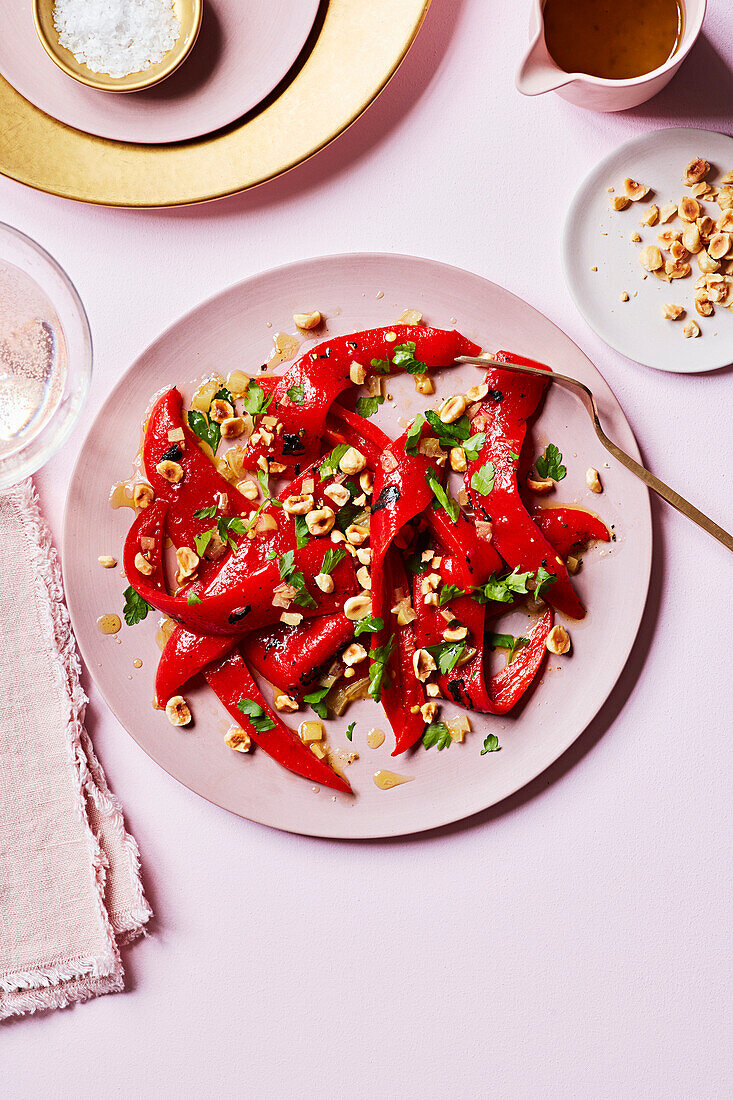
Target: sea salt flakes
(117, 37)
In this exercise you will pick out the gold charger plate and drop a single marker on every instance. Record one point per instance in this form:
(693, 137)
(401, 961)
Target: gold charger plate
(353, 51)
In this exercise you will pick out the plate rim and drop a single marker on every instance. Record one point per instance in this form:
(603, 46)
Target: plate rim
(566, 248)
(388, 831)
(49, 156)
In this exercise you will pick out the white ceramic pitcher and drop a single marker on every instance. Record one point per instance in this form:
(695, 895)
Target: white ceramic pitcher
(538, 72)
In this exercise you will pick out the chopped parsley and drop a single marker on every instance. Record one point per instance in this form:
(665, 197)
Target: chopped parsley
(302, 534)
(482, 480)
(447, 655)
(331, 559)
(296, 394)
(508, 642)
(404, 356)
(550, 463)
(378, 667)
(449, 435)
(442, 497)
(381, 366)
(543, 580)
(192, 598)
(315, 700)
(350, 731)
(513, 455)
(502, 589)
(256, 714)
(450, 592)
(256, 401)
(491, 744)
(290, 575)
(330, 464)
(202, 426)
(474, 445)
(205, 513)
(438, 734)
(136, 608)
(370, 625)
(225, 527)
(412, 439)
(367, 406)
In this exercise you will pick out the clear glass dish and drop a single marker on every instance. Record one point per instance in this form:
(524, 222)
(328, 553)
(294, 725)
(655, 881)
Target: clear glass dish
(45, 356)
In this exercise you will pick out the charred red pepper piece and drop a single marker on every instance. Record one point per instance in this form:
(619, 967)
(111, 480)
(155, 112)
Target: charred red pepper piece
(291, 657)
(566, 528)
(201, 485)
(402, 692)
(232, 682)
(246, 602)
(503, 417)
(322, 373)
(468, 686)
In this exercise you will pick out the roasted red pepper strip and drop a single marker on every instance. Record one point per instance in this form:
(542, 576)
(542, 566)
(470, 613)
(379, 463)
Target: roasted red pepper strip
(149, 523)
(187, 652)
(201, 483)
(246, 603)
(322, 373)
(565, 527)
(511, 400)
(232, 681)
(402, 693)
(291, 657)
(468, 686)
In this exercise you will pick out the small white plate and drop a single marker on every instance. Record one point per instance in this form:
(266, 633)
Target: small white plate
(595, 236)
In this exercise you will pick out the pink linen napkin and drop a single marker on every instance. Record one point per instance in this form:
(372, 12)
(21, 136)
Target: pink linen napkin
(70, 889)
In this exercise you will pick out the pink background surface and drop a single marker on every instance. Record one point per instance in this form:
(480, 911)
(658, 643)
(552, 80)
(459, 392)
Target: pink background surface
(571, 942)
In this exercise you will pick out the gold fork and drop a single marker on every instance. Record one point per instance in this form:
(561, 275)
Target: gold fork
(630, 463)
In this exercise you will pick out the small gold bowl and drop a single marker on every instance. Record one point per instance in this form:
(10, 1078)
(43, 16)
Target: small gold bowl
(188, 13)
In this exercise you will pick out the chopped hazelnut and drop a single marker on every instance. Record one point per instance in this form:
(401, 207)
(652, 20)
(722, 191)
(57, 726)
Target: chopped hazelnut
(540, 485)
(320, 520)
(325, 582)
(142, 494)
(688, 209)
(143, 565)
(558, 640)
(691, 329)
(178, 711)
(667, 212)
(286, 703)
(339, 494)
(220, 410)
(458, 459)
(357, 373)
(298, 504)
(593, 480)
(352, 462)
(231, 427)
(452, 409)
(672, 312)
(248, 489)
(635, 191)
(650, 258)
(423, 664)
(364, 577)
(428, 711)
(354, 654)
(307, 321)
(651, 215)
(171, 471)
(696, 170)
(358, 607)
(107, 561)
(188, 562)
(238, 739)
(619, 202)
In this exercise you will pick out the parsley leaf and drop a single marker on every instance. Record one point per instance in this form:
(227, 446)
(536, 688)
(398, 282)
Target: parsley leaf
(136, 608)
(482, 480)
(350, 731)
(438, 734)
(205, 513)
(513, 455)
(263, 476)
(367, 406)
(507, 641)
(315, 700)
(224, 394)
(412, 439)
(550, 463)
(302, 534)
(378, 667)
(404, 356)
(447, 655)
(192, 598)
(207, 430)
(449, 435)
(331, 559)
(256, 714)
(256, 402)
(330, 464)
(491, 744)
(370, 625)
(450, 592)
(381, 366)
(202, 540)
(287, 565)
(442, 496)
(226, 525)
(502, 589)
(296, 394)
(473, 446)
(543, 580)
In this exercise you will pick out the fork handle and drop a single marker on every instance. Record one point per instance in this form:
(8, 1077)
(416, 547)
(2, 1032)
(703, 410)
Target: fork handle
(665, 492)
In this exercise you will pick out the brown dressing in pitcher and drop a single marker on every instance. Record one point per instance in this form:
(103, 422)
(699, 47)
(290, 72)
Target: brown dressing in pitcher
(613, 39)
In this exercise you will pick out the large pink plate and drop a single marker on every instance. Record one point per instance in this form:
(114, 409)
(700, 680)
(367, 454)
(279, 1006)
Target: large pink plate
(243, 51)
(231, 331)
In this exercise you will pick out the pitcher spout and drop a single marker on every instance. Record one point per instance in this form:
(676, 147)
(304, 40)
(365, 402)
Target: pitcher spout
(538, 73)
